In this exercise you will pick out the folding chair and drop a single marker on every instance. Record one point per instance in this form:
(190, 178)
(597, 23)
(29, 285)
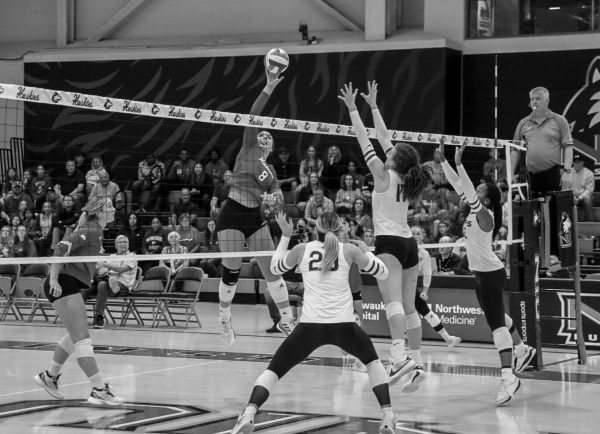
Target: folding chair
(8, 279)
(29, 292)
(146, 297)
(183, 294)
(114, 304)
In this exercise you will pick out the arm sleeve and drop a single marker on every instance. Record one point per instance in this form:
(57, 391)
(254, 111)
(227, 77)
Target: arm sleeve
(468, 189)
(427, 271)
(452, 177)
(361, 135)
(279, 264)
(383, 135)
(375, 267)
(250, 133)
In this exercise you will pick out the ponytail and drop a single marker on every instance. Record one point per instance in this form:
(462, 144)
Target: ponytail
(331, 247)
(417, 179)
(495, 197)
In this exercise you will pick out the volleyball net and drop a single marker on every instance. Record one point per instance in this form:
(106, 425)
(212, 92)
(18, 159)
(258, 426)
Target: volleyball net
(145, 150)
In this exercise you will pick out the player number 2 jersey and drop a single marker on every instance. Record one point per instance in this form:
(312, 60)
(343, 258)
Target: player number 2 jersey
(327, 296)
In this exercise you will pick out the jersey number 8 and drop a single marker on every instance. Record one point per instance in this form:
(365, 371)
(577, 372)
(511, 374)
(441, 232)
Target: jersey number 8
(264, 175)
(315, 259)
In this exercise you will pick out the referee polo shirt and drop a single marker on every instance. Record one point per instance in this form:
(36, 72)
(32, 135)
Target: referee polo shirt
(544, 140)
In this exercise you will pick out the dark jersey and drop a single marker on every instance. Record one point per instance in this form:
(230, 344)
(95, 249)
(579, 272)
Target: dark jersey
(86, 240)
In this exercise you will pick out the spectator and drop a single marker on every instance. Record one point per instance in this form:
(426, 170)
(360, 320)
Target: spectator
(220, 194)
(185, 206)
(181, 170)
(355, 231)
(15, 197)
(301, 232)
(27, 183)
(311, 163)
(369, 238)
(582, 184)
(447, 260)
(549, 145)
(346, 195)
(211, 244)
(6, 242)
(29, 221)
(92, 176)
(367, 189)
(134, 234)
(44, 223)
(441, 186)
(71, 182)
(494, 169)
(177, 249)
(216, 167)
(358, 178)
(555, 269)
(150, 175)
(500, 249)
(360, 215)
(286, 171)
(67, 217)
(40, 183)
(114, 277)
(443, 231)
(189, 237)
(317, 202)
(201, 186)
(105, 189)
(154, 241)
(80, 160)
(15, 222)
(23, 246)
(52, 198)
(333, 169)
(9, 178)
(22, 208)
(307, 191)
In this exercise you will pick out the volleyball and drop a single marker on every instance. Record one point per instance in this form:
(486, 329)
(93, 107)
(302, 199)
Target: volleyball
(276, 60)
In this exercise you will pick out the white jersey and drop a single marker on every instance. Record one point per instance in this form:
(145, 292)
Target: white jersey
(390, 210)
(478, 244)
(327, 296)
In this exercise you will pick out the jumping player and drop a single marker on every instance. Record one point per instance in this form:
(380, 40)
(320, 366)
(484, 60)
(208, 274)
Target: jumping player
(327, 316)
(479, 229)
(241, 221)
(398, 182)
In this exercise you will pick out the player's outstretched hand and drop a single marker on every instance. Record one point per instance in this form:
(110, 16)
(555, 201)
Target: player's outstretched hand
(371, 97)
(285, 223)
(348, 95)
(458, 154)
(273, 79)
(441, 149)
(361, 245)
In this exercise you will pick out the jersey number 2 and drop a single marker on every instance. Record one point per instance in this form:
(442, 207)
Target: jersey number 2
(315, 259)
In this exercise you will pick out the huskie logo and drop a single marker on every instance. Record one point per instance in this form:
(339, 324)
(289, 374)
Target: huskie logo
(566, 237)
(583, 114)
(590, 311)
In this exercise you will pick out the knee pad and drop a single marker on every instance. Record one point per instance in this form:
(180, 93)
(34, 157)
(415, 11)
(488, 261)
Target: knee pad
(394, 308)
(377, 374)
(502, 339)
(66, 344)
(229, 276)
(267, 379)
(413, 321)
(278, 290)
(83, 349)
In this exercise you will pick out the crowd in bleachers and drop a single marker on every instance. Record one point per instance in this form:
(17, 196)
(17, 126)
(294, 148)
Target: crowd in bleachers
(176, 208)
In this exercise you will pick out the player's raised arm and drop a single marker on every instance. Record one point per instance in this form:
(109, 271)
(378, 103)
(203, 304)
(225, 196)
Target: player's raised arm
(376, 166)
(251, 133)
(283, 260)
(383, 135)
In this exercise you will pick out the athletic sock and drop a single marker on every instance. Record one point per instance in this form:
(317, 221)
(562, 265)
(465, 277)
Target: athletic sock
(444, 334)
(520, 348)
(507, 373)
(224, 312)
(54, 369)
(96, 381)
(398, 351)
(415, 355)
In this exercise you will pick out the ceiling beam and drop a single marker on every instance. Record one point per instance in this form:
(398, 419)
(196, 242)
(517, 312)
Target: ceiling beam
(65, 22)
(338, 16)
(375, 20)
(116, 20)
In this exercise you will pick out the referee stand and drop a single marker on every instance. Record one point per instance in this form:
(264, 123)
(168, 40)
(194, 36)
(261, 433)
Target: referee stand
(532, 220)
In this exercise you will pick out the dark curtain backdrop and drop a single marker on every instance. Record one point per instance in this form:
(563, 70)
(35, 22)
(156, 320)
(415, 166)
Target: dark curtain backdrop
(419, 91)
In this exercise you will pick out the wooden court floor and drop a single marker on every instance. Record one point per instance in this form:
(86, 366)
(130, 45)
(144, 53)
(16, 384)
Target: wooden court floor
(187, 381)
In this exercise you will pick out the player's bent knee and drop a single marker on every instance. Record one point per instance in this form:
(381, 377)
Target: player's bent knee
(502, 339)
(267, 379)
(413, 321)
(393, 308)
(377, 374)
(83, 348)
